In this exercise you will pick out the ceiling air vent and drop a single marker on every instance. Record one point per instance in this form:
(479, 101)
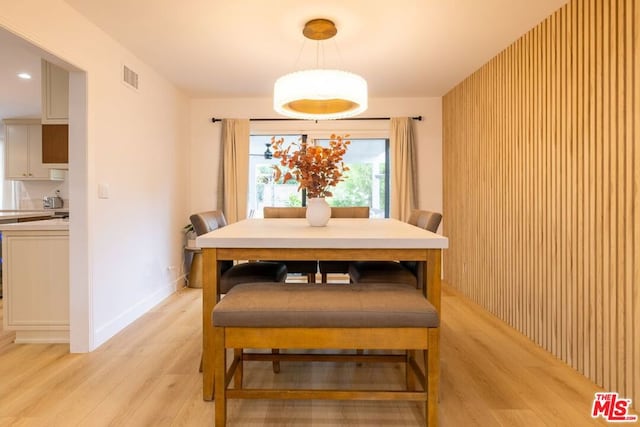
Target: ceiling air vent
(129, 77)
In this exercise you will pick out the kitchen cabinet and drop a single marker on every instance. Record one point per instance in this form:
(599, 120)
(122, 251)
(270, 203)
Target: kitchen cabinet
(35, 280)
(55, 94)
(23, 150)
(55, 146)
(55, 116)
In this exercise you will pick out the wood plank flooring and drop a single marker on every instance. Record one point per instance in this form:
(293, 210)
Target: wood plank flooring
(148, 376)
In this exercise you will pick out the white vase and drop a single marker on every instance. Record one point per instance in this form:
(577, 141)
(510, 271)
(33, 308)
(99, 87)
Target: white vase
(318, 212)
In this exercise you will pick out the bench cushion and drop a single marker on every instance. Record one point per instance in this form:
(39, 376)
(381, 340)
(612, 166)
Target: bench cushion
(324, 306)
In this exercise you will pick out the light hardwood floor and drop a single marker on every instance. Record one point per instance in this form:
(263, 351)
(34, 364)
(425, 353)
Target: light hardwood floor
(148, 376)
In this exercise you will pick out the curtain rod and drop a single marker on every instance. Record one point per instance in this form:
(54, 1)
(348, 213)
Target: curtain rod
(418, 118)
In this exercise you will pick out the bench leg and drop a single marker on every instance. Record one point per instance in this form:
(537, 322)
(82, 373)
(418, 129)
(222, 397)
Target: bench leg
(276, 363)
(432, 366)
(220, 380)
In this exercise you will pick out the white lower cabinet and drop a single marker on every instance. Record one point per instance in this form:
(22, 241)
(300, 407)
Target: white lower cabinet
(35, 279)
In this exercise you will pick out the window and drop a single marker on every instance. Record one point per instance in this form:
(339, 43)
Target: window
(263, 191)
(365, 184)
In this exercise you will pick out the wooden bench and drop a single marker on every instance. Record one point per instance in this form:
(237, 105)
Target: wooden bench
(302, 316)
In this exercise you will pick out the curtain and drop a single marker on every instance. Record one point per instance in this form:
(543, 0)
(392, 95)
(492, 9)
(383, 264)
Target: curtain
(404, 181)
(234, 169)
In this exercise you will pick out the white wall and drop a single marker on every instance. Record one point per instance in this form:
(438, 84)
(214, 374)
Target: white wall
(205, 139)
(133, 141)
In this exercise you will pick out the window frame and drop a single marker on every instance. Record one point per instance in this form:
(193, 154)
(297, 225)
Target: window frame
(315, 135)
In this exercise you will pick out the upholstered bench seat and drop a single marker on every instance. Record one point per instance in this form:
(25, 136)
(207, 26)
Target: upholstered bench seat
(327, 316)
(324, 306)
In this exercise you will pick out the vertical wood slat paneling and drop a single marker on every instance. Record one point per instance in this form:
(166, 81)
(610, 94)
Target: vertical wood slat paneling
(577, 42)
(542, 188)
(633, 117)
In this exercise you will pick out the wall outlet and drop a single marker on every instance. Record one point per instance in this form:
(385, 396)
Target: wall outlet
(172, 273)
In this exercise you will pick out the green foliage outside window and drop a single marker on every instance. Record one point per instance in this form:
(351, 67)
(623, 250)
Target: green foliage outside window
(355, 190)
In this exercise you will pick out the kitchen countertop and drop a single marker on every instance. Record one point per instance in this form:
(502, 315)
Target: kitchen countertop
(42, 225)
(10, 215)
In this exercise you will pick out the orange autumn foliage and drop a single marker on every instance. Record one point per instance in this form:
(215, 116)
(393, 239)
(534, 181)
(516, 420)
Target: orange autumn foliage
(316, 168)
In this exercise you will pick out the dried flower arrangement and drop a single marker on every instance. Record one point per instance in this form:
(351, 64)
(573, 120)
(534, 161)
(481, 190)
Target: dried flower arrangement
(316, 168)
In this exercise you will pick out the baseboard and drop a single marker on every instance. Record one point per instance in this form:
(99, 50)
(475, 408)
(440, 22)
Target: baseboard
(104, 333)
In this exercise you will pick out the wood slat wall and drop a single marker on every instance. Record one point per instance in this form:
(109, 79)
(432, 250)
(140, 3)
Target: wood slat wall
(541, 188)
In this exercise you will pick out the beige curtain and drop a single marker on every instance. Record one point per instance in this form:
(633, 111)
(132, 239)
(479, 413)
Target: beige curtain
(234, 169)
(404, 180)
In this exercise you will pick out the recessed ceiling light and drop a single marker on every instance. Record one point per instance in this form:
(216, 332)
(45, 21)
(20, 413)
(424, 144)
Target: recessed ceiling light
(24, 76)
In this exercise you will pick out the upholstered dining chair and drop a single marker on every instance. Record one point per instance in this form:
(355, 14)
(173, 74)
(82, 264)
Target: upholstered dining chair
(284, 212)
(341, 267)
(307, 268)
(231, 274)
(403, 272)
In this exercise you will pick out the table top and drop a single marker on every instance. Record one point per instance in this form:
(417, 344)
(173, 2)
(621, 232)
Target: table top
(345, 233)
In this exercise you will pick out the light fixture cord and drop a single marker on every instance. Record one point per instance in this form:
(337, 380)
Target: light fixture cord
(317, 53)
(295, 65)
(340, 60)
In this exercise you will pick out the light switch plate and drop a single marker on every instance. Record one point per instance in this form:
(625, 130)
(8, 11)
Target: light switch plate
(103, 191)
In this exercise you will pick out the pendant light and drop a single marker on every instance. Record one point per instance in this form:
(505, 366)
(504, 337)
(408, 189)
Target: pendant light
(320, 94)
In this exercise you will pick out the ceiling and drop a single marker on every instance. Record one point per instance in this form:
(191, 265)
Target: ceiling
(222, 48)
(19, 98)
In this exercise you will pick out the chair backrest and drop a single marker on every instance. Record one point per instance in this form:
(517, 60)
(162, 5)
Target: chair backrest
(425, 219)
(284, 212)
(299, 212)
(205, 222)
(350, 212)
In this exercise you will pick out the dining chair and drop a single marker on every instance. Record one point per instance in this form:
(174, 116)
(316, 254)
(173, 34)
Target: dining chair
(402, 272)
(307, 268)
(341, 267)
(233, 274)
(284, 212)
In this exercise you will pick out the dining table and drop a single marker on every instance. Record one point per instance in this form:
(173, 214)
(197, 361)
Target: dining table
(342, 239)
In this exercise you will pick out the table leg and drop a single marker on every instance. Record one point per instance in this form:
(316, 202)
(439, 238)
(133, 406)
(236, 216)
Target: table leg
(209, 299)
(431, 280)
(432, 287)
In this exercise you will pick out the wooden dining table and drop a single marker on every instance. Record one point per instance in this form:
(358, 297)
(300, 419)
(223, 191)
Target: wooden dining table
(344, 239)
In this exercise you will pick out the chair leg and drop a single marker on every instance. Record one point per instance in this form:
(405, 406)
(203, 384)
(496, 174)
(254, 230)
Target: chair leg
(324, 277)
(311, 278)
(359, 352)
(276, 363)
(410, 377)
(237, 377)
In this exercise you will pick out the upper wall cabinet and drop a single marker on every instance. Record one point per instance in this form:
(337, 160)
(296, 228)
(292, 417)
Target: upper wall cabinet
(23, 150)
(55, 94)
(55, 146)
